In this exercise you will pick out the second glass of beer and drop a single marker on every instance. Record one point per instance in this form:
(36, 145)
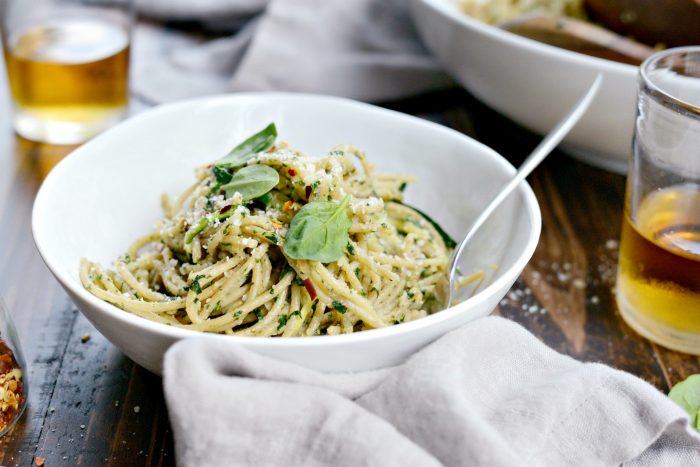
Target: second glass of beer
(658, 281)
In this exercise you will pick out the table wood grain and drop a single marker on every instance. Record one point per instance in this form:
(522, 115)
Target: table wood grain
(90, 405)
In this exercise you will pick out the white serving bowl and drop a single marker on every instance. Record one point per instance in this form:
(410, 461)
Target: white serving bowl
(535, 84)
(106, 193)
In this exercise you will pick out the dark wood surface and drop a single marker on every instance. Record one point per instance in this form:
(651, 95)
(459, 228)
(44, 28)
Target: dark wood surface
(90, 405)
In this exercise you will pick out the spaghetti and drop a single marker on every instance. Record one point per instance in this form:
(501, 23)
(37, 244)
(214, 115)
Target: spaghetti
(218, 262)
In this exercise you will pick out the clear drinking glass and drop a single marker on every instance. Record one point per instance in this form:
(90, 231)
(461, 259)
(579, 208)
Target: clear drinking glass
(658, 281)
(13, 383)
(67, 64)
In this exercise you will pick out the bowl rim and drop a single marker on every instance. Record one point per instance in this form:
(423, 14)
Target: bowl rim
(452, 12)
(129, 319)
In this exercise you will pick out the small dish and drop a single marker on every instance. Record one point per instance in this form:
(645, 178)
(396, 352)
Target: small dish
(13, 373)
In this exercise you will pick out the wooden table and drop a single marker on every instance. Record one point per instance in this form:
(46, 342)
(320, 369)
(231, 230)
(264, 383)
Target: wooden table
(90, 405)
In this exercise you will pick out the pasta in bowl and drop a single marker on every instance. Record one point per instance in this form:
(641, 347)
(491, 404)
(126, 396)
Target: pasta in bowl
(270, 242)
(107, 193)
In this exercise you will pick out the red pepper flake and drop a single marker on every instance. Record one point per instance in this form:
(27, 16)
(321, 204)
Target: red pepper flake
(39, 461)
(310, 288)
(225, 208)
(308, 191)
(291, 172)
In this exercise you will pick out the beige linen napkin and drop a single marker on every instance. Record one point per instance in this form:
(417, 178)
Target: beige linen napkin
(488, 394)
(362, 49)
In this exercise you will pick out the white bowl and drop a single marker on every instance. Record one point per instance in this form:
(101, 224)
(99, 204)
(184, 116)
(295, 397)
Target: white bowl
(535, 84)
(106, 193)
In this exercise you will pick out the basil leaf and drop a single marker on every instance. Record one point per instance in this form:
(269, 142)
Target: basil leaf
(687, 395)
(245, 151)
(319, 231)
(449, 241)
(252, 181)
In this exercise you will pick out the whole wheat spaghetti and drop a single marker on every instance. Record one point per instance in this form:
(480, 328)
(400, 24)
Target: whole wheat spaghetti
(222, 259)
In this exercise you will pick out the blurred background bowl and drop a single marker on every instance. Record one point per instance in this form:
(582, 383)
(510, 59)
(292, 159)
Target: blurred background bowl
(533, 83)
(107, 193)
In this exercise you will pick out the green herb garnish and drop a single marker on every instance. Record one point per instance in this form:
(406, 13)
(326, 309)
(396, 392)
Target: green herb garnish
(259, 142)
(687, 395)
(319, 231)
(265, 199)
(287, 269)
(252, 182)
(194, 285)
(351, 249)
(281, 322)
(183, 256)
(222, 175)
(196, 229)
(339, 307)
(449, 241)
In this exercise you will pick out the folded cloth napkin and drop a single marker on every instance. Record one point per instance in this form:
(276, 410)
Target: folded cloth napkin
(488, 394)
(362, 49)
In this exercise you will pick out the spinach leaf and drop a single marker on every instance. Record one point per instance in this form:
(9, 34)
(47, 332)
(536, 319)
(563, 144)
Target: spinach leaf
(245, 151)
(252, 181)
(687, 395)
(222, 175)
(319, 231)
(449, 241)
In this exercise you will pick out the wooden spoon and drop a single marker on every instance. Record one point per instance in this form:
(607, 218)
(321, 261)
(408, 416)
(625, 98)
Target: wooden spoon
(667, 22)
(579, 36)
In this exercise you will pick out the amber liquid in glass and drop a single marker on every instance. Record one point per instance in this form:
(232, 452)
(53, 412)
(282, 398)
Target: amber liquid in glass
(658, 285)
(71, 72)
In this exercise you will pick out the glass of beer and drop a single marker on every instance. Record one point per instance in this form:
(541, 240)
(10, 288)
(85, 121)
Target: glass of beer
(67, 65)
(658, 280)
